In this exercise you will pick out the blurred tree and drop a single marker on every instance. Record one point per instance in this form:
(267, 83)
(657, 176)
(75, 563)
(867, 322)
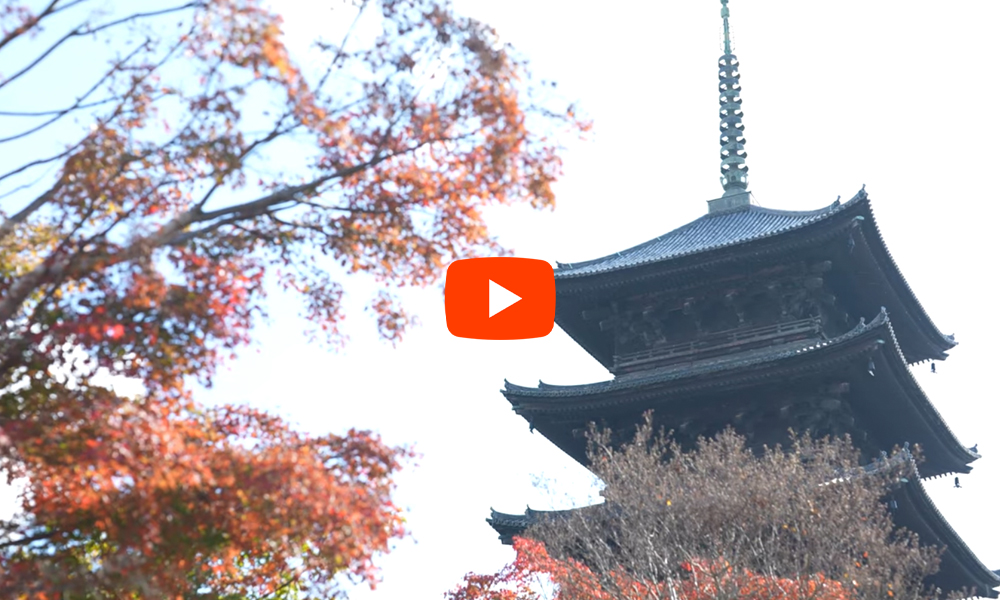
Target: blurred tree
(721, 523)
(198, 162)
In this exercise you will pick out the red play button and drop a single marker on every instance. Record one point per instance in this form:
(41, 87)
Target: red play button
(500, 298)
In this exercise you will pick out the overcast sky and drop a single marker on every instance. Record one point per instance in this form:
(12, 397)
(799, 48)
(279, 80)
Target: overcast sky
(896, 95)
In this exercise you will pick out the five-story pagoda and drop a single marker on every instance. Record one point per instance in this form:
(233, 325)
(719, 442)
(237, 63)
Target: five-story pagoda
(764, 320)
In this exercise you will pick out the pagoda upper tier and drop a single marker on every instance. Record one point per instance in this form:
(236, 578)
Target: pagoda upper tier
(741, 276)
(856, 383)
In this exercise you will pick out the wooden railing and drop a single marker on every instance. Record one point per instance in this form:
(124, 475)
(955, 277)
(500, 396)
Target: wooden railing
(719, 343)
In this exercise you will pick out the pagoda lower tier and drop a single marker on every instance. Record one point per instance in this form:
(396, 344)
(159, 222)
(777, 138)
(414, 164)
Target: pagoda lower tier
(912, 508)
(856, 384)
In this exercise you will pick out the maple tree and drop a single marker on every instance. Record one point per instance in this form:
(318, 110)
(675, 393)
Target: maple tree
(719, 522)
(573, 580)
(200, 163)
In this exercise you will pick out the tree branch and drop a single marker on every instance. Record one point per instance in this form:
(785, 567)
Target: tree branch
(19, 31)
(343, 44)
(169, 234)
(45, 113)
(8, 225)
(275, 133)
(261, 205)
(80, 31)
(60, 114)
(31, 538)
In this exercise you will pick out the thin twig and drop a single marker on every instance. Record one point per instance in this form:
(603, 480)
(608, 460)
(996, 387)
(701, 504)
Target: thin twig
(80, 31)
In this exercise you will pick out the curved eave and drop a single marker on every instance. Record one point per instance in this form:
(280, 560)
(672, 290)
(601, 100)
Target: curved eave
(649, 253)
(508, 525)
(588, 343)
(960, 565)
(598, 395)
(876, 338)
(938, 343)
(585, 280)
(893, 358)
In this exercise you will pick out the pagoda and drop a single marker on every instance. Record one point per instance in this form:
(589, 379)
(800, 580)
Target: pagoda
(764, 320)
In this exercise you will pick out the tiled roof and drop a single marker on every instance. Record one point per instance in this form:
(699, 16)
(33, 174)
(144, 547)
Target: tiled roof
(749, 233)
(510, 525)
(548, 398)
(499, 519)
(687, 370)
(954, 543)
(714, 230)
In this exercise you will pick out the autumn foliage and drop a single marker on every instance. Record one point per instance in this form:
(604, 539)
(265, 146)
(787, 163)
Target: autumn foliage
(534, 574)
(144, 213)
(126, 496)
(721, 521)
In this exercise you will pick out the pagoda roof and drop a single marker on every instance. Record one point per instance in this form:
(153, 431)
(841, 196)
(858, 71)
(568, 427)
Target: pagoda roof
(744, 233)
(568, 397)
(901, 405)
(710, 232)
(960, 567)
(508, 524)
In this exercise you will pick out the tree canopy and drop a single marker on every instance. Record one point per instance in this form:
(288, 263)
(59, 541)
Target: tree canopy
(719, 522)
(142, 214)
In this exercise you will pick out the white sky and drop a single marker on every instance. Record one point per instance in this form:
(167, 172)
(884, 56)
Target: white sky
(896, 95)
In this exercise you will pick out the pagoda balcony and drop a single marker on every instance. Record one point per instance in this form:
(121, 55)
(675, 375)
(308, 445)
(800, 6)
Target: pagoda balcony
(719, 343)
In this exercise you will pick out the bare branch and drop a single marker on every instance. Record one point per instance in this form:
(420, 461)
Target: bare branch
(8, 225)
(31, 24)
(257, 207)
(77, 105)
(26, 185)
(340, 50)
(43, 161)
(45, 113)
(789, 514)
(82, 30)
(30, 538)
(274, 134)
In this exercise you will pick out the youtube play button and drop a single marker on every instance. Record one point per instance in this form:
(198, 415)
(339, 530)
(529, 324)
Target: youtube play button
(500, 298)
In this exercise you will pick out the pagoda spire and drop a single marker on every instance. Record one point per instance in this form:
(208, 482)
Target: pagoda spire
(734, 168)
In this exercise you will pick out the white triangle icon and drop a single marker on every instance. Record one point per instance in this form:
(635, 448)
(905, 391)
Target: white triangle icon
(501, 298)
